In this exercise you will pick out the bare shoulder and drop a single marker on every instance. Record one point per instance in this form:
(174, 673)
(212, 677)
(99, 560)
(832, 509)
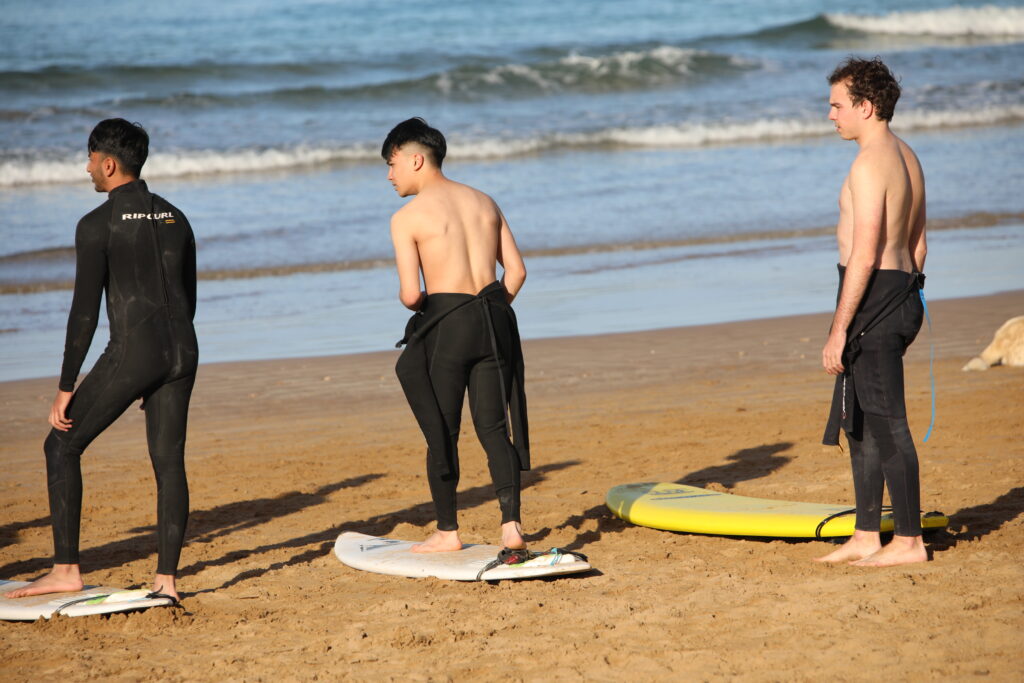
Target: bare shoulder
(878, 160)
(866, 165)
(406, 217)
(910, 158)
(468, 193)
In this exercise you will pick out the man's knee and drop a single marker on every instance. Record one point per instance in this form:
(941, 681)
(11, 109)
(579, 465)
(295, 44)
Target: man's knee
(56, 448)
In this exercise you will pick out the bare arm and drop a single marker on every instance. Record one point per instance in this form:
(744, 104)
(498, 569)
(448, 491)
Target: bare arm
(407, 260)
(868, 194)
(511, 261)
(919, 242)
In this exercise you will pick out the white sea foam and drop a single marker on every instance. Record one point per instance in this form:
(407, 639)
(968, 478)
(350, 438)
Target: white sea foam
(627, 68)
(988, 20)
(186, 163)
(702, 134)
(22, 171)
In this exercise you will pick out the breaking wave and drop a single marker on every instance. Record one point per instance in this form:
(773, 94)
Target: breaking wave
(989, 21)
(21, 169)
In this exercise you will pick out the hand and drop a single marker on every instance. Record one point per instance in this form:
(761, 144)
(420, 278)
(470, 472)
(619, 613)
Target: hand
(832, 354)
(58, 411)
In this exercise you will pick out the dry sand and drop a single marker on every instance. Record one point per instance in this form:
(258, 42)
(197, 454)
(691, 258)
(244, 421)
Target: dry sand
(284, 455)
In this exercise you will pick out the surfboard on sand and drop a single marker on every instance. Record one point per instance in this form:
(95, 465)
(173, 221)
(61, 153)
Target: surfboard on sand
(391, 556)
(89, 600)
(678, 507)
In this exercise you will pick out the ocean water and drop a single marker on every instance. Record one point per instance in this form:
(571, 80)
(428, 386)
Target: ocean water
(661, 163)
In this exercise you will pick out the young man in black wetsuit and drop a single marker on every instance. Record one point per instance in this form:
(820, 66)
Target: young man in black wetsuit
(464, 334)
(881, 235)
(138, 249)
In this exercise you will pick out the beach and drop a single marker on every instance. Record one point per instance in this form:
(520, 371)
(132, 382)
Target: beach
(670, 174)
(284, 455)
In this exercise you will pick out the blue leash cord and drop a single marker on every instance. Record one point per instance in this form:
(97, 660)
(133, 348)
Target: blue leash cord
(931, 362)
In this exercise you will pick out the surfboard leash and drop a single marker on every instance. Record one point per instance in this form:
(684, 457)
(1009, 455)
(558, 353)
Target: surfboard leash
(851, 511)
(836, 515)
(79, 601)
(100, 597)
(511, 556)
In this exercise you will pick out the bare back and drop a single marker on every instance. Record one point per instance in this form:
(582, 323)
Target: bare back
(457, 231)
(892, 202)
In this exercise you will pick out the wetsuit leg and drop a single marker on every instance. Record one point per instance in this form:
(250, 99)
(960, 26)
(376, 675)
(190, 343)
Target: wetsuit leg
(101, 398)
(447, 352)
(868, 480)
(884, 445)
(166, 422)
(487, 407)
(898, 458)
(461, 356)
(64, 486)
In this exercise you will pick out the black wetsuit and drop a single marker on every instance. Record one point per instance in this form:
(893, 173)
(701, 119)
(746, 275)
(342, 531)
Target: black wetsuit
(868, 400)
(140, 250)
(460, 341)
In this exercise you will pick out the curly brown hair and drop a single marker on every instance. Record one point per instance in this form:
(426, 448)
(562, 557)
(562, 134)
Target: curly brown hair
(871, 80)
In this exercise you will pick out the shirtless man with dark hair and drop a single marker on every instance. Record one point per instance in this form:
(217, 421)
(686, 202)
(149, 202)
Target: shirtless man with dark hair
(464, 333)
(881, 235)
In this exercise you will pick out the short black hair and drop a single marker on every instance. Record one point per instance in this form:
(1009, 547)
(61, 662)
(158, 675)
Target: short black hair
(415, 130)
(871, 80)
(126, 142)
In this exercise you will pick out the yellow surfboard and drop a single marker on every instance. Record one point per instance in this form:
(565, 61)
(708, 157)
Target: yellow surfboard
(678, 507)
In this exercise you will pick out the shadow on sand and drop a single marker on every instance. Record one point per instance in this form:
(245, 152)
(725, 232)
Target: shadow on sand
(204, 525)
(973, 523)
(9, 532)
(743, 465)
(319, 543)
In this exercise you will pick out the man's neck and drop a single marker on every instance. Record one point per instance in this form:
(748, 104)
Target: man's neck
(117, 182)
(873, 133)
(430, 179)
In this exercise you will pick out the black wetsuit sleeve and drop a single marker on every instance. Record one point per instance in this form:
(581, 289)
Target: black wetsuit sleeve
(90, 280)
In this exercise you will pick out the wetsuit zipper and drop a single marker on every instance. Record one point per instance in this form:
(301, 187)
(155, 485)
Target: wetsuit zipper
(159, 251)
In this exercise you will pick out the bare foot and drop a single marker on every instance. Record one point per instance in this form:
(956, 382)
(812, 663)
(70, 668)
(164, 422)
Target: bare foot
(165, 583)
(901, 550)
(439, 542)
(862, 544)
(63, 578)
(512, 536)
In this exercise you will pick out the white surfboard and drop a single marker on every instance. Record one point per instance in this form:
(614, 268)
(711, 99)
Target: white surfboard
(391, 556)
(89, 600)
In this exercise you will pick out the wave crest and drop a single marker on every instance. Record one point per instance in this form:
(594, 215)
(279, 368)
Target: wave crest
(990, 21)
(21, 169)
(626, 69)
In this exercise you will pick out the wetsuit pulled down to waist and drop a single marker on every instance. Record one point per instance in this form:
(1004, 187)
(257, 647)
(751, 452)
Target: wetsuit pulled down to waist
(459, 342)
(868, 401)
(885, 325)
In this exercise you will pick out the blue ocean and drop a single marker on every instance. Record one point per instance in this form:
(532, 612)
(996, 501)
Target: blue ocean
(661, 163)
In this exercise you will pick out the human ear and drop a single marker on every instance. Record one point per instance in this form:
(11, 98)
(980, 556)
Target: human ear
(867, 109)
(109, 166)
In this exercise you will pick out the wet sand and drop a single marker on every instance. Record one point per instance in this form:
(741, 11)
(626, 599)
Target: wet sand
(284, 455)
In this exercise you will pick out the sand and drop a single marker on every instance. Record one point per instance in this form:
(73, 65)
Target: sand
(284, 455)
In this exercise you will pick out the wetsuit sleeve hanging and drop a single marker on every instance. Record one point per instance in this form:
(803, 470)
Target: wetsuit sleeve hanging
(189, 278)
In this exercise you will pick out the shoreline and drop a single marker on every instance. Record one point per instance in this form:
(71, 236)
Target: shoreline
(1010, 293)
(970, 221)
